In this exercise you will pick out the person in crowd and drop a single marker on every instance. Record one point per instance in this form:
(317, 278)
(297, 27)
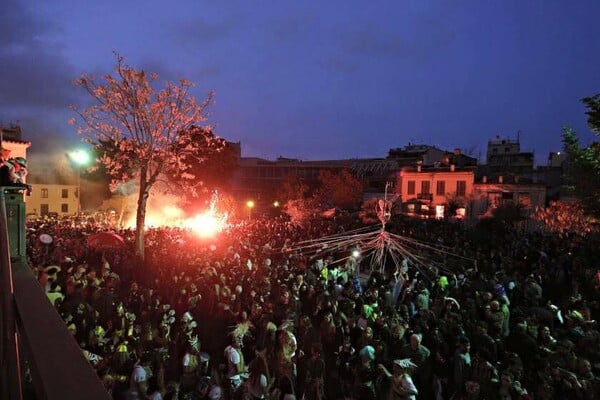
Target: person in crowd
(315, 374)
(402, 386)
(462, 364)
(258, 383)
(237, 371)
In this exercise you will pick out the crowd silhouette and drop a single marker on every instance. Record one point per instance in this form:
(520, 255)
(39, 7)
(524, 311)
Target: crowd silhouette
(243, 315)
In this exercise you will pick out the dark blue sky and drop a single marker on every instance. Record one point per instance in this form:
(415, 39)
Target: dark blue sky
(319, 79)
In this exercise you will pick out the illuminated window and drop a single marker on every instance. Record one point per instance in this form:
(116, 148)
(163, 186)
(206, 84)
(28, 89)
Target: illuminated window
(411, 187)
(425, 187)
(44, 193)
(439, 212)
(461, 188)
(65, 193)
(410, 208)
(440, 189)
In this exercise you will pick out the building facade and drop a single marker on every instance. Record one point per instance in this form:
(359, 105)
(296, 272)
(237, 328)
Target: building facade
(52, 199)
(11, 139)
(490, 194)
(505, 155)
(413, 154)
(435, 191)
(259, 180)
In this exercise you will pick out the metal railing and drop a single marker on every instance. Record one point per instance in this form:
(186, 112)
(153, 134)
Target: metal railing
(34, 337)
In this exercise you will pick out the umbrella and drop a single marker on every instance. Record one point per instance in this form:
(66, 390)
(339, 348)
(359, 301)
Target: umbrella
(45, 238)
(105, 240)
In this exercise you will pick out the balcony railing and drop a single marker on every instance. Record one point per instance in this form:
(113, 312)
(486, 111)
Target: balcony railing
(425, 196)
(34, 338)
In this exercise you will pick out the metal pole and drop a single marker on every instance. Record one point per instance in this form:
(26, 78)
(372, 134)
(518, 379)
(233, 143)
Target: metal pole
(78, 190)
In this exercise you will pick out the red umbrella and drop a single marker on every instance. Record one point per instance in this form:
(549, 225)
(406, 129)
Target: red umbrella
(105, 240)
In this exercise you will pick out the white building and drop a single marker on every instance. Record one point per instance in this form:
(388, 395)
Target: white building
(52, 198)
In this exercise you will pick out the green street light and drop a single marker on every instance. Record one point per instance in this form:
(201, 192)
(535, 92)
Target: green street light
(80, 158)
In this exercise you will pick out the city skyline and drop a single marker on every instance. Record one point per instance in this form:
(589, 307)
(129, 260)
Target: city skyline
(319, 81)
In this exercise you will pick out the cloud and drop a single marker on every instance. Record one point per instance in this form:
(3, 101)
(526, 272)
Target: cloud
(401, 36)
(197, 31)
(36, 86)
(34, 72)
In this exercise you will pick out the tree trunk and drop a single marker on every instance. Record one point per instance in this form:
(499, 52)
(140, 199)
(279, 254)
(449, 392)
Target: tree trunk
(140, 217)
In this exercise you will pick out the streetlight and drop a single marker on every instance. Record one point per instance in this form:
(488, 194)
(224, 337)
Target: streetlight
(250, 205)
(80, 158)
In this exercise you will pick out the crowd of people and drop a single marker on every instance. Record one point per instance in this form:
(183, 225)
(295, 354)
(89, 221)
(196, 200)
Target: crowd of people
(245, 315)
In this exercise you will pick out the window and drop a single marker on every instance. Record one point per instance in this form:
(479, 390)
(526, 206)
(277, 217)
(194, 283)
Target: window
(44, 193)
(411, 187)
(65, 193)
(440, 189)
(524, 199)
(43, 209)
(494, 199)
(64, 208)
(461, 188)
(425, 187)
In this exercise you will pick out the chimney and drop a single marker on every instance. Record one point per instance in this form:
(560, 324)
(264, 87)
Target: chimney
(500, 179)
(484, 179)
(452, 167)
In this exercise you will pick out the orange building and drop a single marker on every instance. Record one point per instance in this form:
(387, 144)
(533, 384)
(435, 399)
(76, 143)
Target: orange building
(10, 138)
(438, 191)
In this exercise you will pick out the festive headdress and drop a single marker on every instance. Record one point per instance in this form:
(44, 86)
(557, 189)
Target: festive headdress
(240, 331)
(194, 342)
(405, 363)
(453, 301)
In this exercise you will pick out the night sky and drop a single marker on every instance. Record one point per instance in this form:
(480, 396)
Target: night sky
(319, 79)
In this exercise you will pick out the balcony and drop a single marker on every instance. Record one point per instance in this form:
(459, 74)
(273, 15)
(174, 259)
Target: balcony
(34, 339)
(425, 196)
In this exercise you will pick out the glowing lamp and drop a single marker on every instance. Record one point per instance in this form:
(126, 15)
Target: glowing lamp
(80, 157)
(250, 205)
(355, 253)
